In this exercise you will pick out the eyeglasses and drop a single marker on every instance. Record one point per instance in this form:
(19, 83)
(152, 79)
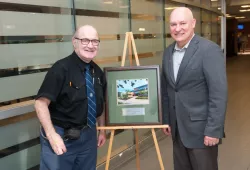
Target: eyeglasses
(86, 41)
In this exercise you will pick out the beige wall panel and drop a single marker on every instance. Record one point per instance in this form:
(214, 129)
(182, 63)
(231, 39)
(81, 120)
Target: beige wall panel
(169, 41)
(16, 87)
(156, 60)
(146, 7)
(22, 55)
(100, 5)
(149, 45)
(150, 27)
(110, 48)
(22, 23)
(54, 3)
(19, 132)
(23, 160)
(104, 25)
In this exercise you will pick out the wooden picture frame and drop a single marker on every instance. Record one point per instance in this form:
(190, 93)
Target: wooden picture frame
(133, 96)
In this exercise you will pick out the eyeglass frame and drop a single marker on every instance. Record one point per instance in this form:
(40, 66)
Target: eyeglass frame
(88, 40)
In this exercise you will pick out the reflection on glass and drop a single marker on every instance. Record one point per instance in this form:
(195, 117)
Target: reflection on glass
(216, 5)
(206, 24)
(215, 28)
(197, 16)
(147, 19)
(36, 30)
(206, 3)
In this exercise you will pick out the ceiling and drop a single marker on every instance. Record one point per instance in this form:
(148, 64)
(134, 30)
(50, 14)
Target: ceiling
(233, 9)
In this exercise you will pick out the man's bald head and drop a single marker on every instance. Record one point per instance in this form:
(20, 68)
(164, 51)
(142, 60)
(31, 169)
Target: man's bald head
(182, 10)
(182, 24)
(84, 30)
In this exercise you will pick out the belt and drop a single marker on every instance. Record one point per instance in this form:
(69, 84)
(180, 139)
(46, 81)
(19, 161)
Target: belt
(81, 127)
(65, 125)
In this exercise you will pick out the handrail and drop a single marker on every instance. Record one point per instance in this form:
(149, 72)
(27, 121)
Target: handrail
(16, 109)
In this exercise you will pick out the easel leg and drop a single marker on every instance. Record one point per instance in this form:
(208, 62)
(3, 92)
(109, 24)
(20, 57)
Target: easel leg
(109, 149)
(130, 51)
(134, 47)
(137, 149)
(157, 149)
(125, 50)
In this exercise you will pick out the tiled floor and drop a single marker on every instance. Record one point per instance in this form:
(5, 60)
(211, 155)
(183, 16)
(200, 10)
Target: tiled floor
(235, 150)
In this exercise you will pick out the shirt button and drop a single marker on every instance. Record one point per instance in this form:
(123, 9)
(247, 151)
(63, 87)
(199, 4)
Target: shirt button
(91, 94)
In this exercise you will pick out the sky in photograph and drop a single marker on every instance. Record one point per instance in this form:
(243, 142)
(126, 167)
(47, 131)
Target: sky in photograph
(126, 83)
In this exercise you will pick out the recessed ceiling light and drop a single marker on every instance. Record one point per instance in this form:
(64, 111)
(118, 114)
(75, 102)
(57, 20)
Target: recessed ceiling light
(142, 29)
(244, 10)
(214, 0)
(108, 2)
(124, 6)
(245, 6)
(170, 8)
(240, 17)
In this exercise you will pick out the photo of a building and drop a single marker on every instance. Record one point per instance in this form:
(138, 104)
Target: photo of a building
(132, 92)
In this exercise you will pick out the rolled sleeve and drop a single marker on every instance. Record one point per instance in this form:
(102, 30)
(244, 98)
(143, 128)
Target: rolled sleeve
(52, 83)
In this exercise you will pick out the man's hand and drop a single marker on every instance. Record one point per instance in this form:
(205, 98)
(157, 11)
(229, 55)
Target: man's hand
(101, 138)
(209, 141)
(57, 144)
(167, 131)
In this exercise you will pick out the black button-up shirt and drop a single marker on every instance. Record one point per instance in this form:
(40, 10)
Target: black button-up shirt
(65, 86)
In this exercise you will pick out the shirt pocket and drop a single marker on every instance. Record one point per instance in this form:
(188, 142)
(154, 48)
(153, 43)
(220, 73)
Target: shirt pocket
(76, 91)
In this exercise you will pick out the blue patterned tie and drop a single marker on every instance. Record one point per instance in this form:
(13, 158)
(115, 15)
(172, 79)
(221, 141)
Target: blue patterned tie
(91, 118)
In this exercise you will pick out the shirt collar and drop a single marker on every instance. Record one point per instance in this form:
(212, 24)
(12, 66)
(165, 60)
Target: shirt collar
(81, 63)
(185, 47)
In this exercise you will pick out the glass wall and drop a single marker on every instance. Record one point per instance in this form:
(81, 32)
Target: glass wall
(206, 19)
(36, 33)
(197, 15)
(205, 3)
(147, 25)
(33, 35)
(215, 28)
(111, 19)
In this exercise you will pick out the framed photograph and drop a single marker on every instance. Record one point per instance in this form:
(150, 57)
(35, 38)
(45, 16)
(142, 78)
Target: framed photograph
(133, 96)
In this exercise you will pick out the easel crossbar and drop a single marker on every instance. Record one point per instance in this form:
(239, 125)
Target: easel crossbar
(132, 127)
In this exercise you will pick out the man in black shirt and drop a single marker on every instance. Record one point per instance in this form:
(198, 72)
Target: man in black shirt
(68, 104)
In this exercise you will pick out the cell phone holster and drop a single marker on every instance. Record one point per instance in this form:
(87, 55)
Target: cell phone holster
(72, 134)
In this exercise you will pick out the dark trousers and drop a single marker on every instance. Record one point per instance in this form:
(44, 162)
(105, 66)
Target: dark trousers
(81, 154)
(194, 159)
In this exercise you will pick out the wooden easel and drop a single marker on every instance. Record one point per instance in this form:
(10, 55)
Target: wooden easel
(128, 40)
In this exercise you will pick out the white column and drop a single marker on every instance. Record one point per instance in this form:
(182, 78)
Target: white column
(223, 27)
